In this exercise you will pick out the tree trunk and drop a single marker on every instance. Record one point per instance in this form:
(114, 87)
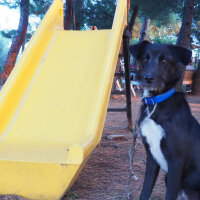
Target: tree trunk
(67, 17)
(133, 18)
(185, 30)
(73, 15)
(130, 27)
(145, 29)
(184, 34)
(128, 6)
(17, 41)
(196, 81)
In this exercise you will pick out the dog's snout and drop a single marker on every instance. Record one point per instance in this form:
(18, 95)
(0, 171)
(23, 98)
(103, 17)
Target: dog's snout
(148, 77)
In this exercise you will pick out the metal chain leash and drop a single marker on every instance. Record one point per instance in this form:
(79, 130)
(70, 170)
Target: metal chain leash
(131, 153)
(136, 133)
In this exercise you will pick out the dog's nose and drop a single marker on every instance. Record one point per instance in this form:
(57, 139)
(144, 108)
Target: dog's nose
(148, 77)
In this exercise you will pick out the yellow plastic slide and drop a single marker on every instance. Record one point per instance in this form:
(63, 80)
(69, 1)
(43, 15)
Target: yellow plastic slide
(53, 106)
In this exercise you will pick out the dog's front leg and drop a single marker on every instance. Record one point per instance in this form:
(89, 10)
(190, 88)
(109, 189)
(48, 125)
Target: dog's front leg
(152, 170)
(173, 179)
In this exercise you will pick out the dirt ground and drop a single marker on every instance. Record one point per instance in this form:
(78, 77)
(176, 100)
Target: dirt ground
(106, 173)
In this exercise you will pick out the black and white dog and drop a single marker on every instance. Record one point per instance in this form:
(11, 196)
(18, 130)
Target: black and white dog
(170, 133)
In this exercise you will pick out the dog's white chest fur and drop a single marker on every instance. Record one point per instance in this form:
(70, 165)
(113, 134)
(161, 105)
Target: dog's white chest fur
(153, 134)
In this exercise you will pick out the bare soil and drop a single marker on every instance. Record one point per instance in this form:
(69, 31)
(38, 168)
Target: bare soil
(105, 175)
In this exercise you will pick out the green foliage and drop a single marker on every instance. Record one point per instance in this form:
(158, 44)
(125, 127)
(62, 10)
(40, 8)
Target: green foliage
(168, 14)
(165, 39)
(163, 12)
(39, 8)
(98, 13)
(196, 20)
(10, 3)
(134, 41)
(8, 33)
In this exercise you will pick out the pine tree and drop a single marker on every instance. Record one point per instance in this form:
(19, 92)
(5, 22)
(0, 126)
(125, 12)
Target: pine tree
(38, 8)
(185, 30)
(17, 41)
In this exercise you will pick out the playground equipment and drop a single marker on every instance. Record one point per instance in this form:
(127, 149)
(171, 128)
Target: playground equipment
(54, 104)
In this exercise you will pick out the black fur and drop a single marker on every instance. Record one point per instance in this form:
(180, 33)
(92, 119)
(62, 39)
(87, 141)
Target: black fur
(159, 66)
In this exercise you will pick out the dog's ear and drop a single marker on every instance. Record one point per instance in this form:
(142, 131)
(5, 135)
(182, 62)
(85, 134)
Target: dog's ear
(181, 54)
(138, 49)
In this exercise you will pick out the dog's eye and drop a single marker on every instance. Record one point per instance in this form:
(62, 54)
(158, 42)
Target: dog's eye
(162, 60)
(146, 59)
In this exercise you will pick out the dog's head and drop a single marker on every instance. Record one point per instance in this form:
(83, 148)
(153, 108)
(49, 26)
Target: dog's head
(159, 65)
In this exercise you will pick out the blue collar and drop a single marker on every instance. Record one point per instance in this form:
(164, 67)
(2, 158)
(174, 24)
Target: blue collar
(157, 99)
